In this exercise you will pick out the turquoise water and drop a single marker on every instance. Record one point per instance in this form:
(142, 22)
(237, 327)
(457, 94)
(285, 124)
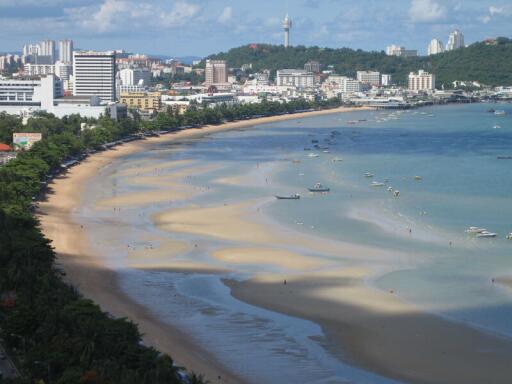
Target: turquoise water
(438, 266)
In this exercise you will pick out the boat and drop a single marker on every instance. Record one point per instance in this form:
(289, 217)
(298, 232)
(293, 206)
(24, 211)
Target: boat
(325, 151)
(390, 189)
(319, 188)
(486, 234)
(475, 230)
(337, 159)
(418, 178)
(376, 184)
(509, 236)
(497, 126)
(368, 174)
(313, 155)
(295, 196)
(396, 193)
(499, 112)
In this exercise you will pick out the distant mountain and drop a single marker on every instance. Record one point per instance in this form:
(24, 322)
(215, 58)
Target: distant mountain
(488, 62)
(184, 60)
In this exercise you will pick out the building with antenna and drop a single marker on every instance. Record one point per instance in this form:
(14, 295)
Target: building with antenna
(287, 25)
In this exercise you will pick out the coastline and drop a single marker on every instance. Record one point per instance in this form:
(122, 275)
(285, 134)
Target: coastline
(377, 331)
(88, 273)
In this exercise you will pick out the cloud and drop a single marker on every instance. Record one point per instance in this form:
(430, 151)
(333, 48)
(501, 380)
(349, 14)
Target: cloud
(426, 11)
(226, 15)
(495, 10)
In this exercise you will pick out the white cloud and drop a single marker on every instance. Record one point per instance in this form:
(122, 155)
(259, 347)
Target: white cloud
(182, 12)
(426, 11)
(226, 15)
(495, 10)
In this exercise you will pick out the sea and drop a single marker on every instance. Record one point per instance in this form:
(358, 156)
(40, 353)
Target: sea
(410, 182)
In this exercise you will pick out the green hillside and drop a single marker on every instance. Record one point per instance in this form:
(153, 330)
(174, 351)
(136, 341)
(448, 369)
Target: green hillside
(488, 63)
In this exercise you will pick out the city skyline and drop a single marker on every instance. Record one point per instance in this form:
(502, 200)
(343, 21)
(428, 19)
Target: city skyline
(193, 27)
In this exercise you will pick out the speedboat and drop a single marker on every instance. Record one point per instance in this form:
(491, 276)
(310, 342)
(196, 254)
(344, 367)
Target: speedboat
(499, 112)
(368, 174)
(497, 126)
(475, 230)
(376, 184)
(325, 151)
(486, 234)
(418, 178)
(319, 188)
(313, 155)
(295, 196)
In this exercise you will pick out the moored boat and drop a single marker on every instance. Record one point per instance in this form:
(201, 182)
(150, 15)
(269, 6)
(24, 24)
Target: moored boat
(319, 188)
(295, 196)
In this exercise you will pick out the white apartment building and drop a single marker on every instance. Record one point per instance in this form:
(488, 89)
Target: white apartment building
(455, 40)
(135, 77)
(47, 48)
(369, 77)
(17, 93)
(435, 47)
(94, 74)
(386, 80)
(30, 49)
(344, 84)
(66, 51)
(295, 77)
(395, 50)
(38, 69)
(216, 72)
(421, 81)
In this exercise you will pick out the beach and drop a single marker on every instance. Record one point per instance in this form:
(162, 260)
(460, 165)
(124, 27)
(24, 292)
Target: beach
(290, 270)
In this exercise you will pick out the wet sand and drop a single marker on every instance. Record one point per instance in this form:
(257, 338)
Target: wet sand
(87, 271)
(371, 328)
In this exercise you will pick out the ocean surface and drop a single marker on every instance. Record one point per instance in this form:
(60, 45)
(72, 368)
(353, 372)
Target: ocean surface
(442, 160)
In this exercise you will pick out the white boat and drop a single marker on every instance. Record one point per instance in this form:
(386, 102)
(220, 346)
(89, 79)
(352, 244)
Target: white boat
(295, 196)
(396, 193)
(499, 112)
(418, 178)
(313, 155)
(497, 126)
(376, 184)
(319, 188)
(509, 236)
(368, 174)
(486, 234)
(325, 151)
(475, 230)
(390, 189)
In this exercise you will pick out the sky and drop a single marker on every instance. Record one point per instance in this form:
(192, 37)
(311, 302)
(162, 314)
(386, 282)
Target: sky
(201, 27)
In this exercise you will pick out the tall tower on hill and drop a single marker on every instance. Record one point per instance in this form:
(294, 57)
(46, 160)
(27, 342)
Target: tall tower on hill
(287, 24)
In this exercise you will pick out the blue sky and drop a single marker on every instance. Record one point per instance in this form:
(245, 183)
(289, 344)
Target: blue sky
(200, 27)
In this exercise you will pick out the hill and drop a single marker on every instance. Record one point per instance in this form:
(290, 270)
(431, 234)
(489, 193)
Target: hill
(489, 63)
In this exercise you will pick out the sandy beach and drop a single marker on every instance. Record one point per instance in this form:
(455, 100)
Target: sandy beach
(87, 271)
(326, 280)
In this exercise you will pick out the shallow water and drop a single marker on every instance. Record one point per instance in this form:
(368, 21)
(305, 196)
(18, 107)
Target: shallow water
(453, 149)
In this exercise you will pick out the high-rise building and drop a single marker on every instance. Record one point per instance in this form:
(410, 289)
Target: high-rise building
(30, 49)
(295, 77)
(66, 51)
(94, 74)
(386, 80)
(312, 66)
(216, 72)
(47, 48)
(287, 25)
(135, 76)
(455, 40)
(369, 77)
(435, 47)
(395, 50)
(421, 81)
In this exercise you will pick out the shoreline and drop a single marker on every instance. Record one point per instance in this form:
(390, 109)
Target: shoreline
(378, 332)
(86, 271)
